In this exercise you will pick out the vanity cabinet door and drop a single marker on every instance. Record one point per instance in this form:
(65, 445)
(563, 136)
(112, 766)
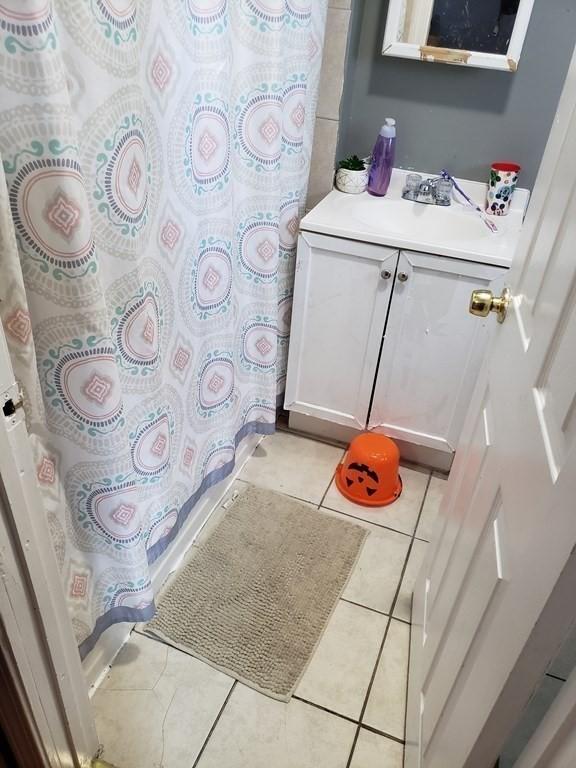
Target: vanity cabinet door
(433, 349)
(341, 294)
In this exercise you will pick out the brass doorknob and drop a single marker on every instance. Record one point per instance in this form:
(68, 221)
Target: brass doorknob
(483, 302)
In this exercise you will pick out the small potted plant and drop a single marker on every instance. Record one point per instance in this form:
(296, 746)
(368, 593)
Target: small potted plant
(352, 175)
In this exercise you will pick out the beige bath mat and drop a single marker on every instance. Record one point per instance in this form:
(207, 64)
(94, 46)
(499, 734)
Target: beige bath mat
(255, 597)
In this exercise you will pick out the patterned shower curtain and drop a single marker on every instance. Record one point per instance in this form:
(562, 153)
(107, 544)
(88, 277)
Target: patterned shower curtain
(155, 156)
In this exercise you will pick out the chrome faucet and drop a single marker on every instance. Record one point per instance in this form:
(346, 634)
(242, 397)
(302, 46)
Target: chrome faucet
(431, 191)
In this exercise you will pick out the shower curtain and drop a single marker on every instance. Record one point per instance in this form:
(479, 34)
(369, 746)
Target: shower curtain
(155, 156)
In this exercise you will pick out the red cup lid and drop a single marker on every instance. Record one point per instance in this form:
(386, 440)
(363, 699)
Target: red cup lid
(507, 167)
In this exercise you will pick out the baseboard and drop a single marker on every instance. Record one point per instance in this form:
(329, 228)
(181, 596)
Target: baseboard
(335, 433)
(96, 664)
(99, 660)
(164, 566)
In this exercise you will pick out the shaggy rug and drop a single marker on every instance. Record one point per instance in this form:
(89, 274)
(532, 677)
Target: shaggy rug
(257, 593)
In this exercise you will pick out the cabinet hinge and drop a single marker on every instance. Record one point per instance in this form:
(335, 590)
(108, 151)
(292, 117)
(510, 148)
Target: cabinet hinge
(12, 399)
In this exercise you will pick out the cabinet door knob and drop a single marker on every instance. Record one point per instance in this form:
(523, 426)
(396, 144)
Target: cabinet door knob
(385, 274)
(402, 276)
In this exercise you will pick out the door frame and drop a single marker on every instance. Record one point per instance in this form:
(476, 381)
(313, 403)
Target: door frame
(553, 744)
(35, 628)
(23, 729)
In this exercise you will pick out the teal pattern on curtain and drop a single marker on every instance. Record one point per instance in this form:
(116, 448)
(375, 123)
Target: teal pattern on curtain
(155, 156)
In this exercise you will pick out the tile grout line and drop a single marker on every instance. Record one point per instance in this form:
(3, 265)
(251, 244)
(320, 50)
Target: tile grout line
(374, 610)
(332, 476)
(363, 520)
(214, 724)
(382, 733)
(325, 709)
(407, 677)
(320, 504)
(290, 495)
(410, 625)
(368, 691)
(422, 505)
(347, 718)
(381, 649)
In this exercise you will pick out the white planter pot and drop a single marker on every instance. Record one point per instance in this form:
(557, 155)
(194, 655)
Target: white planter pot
(352, 182)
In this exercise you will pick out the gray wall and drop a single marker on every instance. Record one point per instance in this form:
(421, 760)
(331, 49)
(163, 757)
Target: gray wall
(450, 116)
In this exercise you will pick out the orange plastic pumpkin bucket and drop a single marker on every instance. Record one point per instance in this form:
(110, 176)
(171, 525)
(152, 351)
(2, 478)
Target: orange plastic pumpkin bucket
(368, 473)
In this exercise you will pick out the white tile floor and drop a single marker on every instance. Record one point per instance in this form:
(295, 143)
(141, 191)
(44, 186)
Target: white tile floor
(160, 708)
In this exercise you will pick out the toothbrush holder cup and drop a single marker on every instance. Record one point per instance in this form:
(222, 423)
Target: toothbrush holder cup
(503, 180)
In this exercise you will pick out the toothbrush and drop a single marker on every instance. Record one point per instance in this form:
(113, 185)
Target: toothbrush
(489, 223)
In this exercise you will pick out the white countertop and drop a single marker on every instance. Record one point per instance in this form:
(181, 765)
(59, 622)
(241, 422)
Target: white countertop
(456, 231)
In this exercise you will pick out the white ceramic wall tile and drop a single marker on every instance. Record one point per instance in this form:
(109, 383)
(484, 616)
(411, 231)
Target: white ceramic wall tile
(157, 705)
(431, 506)
(374, 751)
(401, 515)
(403, 607)
(293, 465)
(339, 673)
(377, 574)
(323, 161)
(387, 703)
(333, 60)
(255, 731)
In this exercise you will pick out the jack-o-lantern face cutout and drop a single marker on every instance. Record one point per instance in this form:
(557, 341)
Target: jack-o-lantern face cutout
(361, 474)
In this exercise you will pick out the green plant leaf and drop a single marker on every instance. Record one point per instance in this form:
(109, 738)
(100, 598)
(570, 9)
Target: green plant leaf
(352, 163)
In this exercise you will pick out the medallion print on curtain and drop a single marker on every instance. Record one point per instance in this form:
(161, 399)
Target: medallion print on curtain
(154, 166)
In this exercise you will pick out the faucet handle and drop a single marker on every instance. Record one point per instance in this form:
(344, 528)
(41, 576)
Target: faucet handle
(444, 191)
(413, 181)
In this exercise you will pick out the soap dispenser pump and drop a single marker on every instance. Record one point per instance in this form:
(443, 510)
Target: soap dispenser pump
(383, 159)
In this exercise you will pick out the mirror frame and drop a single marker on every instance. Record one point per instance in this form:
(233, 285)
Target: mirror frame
(508, 61)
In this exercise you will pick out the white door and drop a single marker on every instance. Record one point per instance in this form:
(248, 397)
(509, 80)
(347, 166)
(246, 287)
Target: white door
(432, 350)
(341, 297)
(496, 594)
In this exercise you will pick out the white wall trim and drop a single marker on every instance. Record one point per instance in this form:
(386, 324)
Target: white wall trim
(309, 426)
(36, 618)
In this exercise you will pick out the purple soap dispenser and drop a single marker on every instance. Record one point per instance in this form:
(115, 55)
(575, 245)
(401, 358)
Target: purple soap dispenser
(383, 159)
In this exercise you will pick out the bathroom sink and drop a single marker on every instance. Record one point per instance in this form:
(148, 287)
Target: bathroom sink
(423, 222)
(456, 230)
